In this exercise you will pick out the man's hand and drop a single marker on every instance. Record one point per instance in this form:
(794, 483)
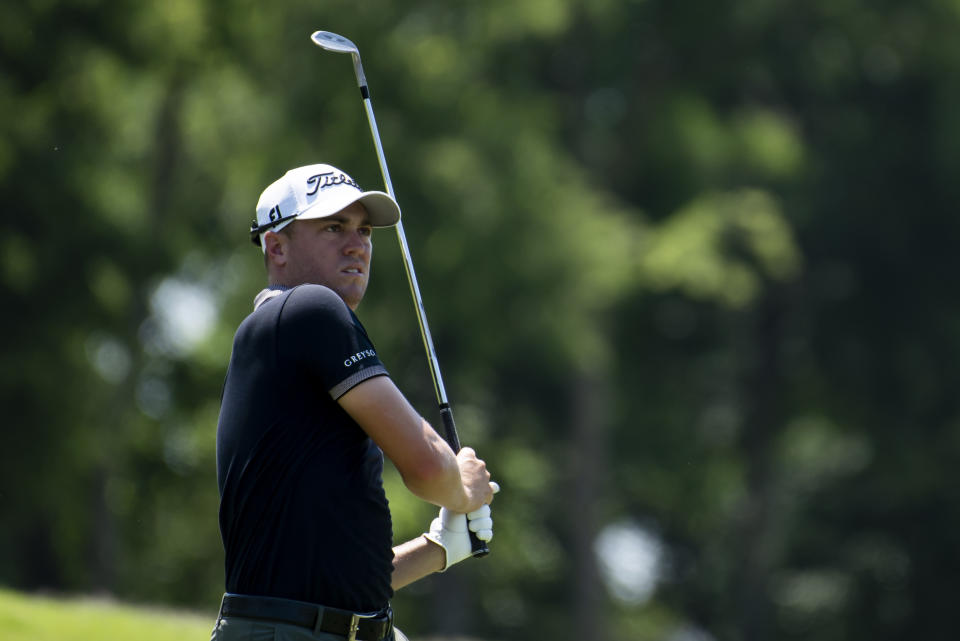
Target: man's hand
(451, 531)
(477, 487)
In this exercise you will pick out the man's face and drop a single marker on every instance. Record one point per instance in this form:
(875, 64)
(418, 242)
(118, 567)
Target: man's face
(334, 251)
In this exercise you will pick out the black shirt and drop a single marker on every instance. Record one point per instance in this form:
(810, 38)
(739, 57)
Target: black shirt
(303, 513)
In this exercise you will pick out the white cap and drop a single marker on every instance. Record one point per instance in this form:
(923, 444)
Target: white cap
(317, 191)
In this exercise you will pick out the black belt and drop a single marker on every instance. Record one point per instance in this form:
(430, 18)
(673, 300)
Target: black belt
(319, 618)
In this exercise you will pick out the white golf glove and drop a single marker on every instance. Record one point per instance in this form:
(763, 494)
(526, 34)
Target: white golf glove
(451, 532)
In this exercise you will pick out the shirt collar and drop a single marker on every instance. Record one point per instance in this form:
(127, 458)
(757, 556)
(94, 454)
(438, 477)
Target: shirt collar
(267, 294)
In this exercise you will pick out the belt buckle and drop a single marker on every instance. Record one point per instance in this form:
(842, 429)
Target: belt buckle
(354, 626)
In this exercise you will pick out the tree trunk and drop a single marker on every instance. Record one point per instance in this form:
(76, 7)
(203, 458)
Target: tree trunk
(590, 414)
(758, 528)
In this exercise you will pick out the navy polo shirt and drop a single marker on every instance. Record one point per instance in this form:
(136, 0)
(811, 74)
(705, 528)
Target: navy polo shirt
(303, 514)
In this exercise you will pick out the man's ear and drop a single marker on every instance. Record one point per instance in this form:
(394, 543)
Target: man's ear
(276, 248)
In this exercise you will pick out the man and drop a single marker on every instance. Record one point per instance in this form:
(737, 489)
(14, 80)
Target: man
(307, 413)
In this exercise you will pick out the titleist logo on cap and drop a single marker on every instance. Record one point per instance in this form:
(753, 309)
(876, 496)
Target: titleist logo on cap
(315, 183)
(317, 191)
(329, 179)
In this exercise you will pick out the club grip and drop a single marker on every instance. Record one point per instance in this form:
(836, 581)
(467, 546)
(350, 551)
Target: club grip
(449, 428)
(478, 548)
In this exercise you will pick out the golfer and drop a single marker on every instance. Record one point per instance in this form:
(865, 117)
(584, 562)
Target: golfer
(307, 413)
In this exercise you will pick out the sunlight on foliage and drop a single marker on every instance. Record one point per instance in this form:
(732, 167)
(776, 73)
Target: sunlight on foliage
(126, 117)
(171, 29)
(813, 592)
(525, 470)
(508, 20)
(770, 143)
(576, 236)
(722, 247)
(109, 285)
(433, 57)
(17, 262)
(225, 109)
(814, 452)
(117, 194)
(458, 169)
(711, 144)
(699, 132)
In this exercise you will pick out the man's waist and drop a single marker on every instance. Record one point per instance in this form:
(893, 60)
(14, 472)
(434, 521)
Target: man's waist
(366, 626)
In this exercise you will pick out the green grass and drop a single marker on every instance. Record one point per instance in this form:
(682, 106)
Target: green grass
(41, 618)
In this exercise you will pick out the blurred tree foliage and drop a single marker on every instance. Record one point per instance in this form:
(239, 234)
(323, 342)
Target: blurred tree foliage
(687, 267)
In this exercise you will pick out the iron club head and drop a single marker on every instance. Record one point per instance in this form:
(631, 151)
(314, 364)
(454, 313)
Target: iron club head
(330, 41)
(333, 42)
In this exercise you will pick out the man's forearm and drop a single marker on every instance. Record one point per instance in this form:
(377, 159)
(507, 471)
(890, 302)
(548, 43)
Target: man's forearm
(438, 480)
(414, 560)
(458, 481)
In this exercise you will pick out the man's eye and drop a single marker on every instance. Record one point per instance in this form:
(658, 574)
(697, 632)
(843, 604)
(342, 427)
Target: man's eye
(366, 231)
(332, 227)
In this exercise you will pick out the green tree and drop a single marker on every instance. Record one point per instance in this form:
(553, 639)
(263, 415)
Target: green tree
(685, 268)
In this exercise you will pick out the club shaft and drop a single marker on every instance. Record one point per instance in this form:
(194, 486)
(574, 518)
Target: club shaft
(438, 386)
(479, 548)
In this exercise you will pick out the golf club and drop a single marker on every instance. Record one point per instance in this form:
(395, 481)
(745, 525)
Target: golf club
(338, 44)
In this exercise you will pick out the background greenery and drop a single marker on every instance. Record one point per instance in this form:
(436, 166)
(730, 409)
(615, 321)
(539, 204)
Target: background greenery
(688, 267)
(44, 618)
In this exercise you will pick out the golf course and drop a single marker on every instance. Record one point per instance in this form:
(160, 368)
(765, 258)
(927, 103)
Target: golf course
(26, 617)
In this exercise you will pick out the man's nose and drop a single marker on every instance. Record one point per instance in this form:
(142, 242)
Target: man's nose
(357, 243)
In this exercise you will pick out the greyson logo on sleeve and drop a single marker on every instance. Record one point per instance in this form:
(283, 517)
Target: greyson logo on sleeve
(359, 356)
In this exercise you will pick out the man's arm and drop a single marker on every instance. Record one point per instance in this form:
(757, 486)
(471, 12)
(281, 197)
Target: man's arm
(414, 560)
(429, 468)
(446, 543)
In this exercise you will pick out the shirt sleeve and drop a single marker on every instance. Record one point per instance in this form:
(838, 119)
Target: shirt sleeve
(325, 341)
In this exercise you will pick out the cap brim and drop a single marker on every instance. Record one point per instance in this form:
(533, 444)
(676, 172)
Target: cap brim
(383, 210)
